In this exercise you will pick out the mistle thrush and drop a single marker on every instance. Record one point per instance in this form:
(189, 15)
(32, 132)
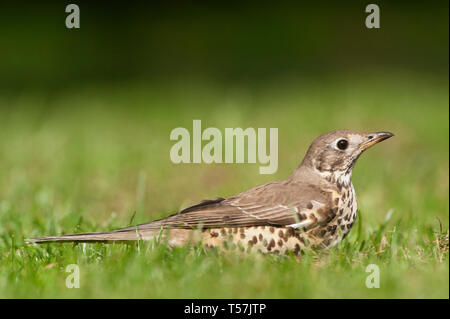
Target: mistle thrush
(316, 206)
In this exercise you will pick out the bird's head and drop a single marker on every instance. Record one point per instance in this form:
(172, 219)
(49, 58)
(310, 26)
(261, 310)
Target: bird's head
(335, 153)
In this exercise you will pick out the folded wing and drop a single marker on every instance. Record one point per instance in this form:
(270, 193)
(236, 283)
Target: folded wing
(274, 204)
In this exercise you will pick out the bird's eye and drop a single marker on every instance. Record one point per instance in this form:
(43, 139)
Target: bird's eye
(342, 144)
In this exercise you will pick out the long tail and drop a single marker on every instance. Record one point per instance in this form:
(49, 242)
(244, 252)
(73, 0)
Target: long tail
(120, 235)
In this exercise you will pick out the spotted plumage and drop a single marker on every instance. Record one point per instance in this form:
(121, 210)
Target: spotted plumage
(315, 207)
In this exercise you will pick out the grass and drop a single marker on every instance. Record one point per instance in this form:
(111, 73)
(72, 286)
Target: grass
(94, 159)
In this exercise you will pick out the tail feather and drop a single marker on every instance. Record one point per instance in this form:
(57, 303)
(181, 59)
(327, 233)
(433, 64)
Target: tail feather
(103, 237)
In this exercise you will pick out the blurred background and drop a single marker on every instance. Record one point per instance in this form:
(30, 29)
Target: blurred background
(85, 114)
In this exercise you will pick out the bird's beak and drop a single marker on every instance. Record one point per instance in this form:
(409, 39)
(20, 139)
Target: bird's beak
(374, 138)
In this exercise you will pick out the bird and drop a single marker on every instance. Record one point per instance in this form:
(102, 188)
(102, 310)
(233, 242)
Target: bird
(315, 207)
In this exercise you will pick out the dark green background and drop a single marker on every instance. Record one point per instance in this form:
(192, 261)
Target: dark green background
(253, 42)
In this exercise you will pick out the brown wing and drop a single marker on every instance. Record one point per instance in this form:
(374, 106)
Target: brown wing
(281, 203)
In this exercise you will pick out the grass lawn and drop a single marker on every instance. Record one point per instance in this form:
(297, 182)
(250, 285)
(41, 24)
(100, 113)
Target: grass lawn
(95, 159)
